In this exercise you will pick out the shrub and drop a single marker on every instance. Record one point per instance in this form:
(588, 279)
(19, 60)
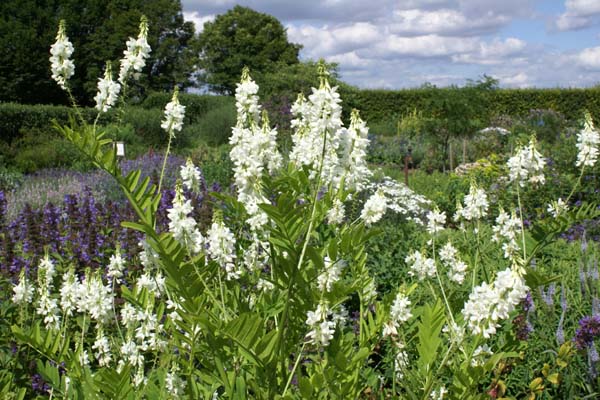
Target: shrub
(215, 127)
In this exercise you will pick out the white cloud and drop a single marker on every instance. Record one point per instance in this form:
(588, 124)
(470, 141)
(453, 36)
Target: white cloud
(328, 41)
(496, 52)
(579, 14)
(197, 19)
(520, 80)
(443, 22)
(422, 46)
(590, 58)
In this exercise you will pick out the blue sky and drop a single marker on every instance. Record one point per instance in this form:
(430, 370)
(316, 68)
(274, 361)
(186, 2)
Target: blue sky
(406, 43)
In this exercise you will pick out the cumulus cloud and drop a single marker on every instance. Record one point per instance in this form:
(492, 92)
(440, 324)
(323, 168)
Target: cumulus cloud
(590, 58)
(495, 52)
(197, 19)
(579, 14)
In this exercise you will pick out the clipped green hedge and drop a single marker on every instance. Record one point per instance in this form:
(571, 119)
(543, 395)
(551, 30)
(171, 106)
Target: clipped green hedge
(196, 106)
(381, 105)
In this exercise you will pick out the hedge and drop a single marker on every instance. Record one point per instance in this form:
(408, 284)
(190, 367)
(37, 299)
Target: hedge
(381, 105)
(196, 106)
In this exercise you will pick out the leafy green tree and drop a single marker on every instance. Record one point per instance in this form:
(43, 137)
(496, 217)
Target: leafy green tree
(243, 37)
(98, 31)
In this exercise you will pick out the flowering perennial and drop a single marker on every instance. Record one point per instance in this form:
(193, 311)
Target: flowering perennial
(374, 208)
(435, 221)
(174, 114)
(221, 248)
(108, 90)
(322, 328)
(456, 267)
(191, 176)
(136, 53)
(331, 274)
(61, 65)
(588, 140)
(506, 229)
(420, 265)
(490, 303)
(527, 165)
(475, 205)
(182, 226)
(399, 313)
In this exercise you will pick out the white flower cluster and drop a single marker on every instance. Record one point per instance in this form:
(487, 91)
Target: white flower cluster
(254, 150)
(331, 274)
(527, 165)
(317, 135)
(401, 199)
(588, 140)
(256, 255)
(456, 267)
(374, 208)
(108, 91)
(174, 384)
(490, 303)
(401, 361)
(558, 207)
(507, 229)
(190, 176)
(174, 114)
(101, 349)
(475, 205)
(62, 67)
(221, 248)
(322, 328)
(116, 266)
(399, 313)
(182, 226)
(136, 53)
(420, 265)
(337, 212)
(94, 298)
(353, 160)
(47, 306)
(435, 221)
(23, 291)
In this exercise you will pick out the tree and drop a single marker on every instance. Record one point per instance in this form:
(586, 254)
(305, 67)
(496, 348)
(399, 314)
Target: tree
(243, 37)
(98, 31)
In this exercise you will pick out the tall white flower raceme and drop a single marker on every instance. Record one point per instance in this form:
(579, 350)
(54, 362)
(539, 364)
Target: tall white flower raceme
(456, 267)
(435, 221)
(69, 292)
(353, 147)
(101, 348)
(318, 132)
(174, 114)
(374, 208)
(253, 152)
(506, 230)
(181, 225)
(108, 90)
(47, 306)
(136, 53)
(399, 313)
(116, 266)
(322, 327)
(221, 249)
(588, 141)
(475, 205)
(190, 176)
(331, 274)
(527, 165)
(420, 265)
(95, 298)
(60, 63)
(335, 215)
(23, 291)
(490, 303)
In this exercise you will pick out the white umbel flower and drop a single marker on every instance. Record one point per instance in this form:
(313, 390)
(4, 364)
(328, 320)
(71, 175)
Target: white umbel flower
(108, 91)
(527, 165)
(136, 53)
(374, 208)
(62, 67)
(588, 140)
(174, 114)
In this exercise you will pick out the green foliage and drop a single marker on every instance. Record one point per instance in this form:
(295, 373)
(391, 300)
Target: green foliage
(215, 127)
(196, 106)
(243, 37)
(98, 31)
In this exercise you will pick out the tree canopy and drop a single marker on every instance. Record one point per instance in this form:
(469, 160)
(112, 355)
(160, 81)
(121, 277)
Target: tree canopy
(98, 31)
(243, 37)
